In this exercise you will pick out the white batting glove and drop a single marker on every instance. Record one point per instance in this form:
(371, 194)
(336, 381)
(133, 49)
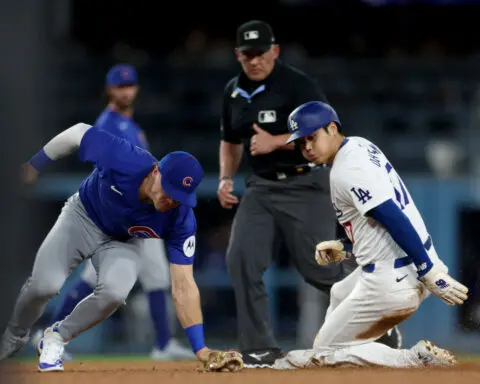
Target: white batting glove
(331, 251)
(445, 287)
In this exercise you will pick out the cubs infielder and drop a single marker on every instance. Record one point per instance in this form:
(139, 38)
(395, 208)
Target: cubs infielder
(398, 264)
(122, 87)
(129, 197)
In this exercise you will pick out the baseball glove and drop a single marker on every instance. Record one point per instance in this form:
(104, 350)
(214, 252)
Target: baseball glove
(331, 251)
(222, 361)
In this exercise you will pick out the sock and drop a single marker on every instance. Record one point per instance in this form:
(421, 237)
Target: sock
(159, 313)
(76, 294)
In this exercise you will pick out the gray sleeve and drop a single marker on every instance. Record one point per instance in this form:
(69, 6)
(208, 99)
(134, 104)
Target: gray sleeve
(66, 142)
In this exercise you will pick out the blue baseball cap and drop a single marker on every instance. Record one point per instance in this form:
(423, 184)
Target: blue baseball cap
(121, 74)
(309, 117)
(181, 175)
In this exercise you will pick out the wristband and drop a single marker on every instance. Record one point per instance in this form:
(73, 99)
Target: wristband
(226, 178)
(195, 336)
(40, 159)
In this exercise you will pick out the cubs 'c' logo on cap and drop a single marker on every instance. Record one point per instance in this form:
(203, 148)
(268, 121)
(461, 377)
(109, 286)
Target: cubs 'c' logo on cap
(293, 125)
(187, 181)
(124, 73)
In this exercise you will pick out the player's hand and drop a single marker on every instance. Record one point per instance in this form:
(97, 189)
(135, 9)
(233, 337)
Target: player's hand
(445, 287)
(219, 361)
(331, 251)
(29, 174)
(261, 142)
(224, 193)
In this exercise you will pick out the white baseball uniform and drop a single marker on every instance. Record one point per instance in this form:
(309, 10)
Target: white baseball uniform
(384, 290)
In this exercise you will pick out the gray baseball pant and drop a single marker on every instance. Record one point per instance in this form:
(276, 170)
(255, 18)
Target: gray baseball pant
(74, 238)
(297, 211)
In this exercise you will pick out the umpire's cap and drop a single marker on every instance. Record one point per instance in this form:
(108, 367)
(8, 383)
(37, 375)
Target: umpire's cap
(309, 117)
(255, 35)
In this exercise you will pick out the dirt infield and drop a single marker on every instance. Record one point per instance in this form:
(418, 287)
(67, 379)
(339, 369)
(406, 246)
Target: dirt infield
(183, 373)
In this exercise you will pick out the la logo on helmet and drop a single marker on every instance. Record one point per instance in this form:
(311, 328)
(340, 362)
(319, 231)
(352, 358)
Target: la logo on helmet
(187, 181)
(293, 125)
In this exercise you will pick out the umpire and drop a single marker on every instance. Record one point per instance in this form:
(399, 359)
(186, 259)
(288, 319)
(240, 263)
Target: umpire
(285, 200)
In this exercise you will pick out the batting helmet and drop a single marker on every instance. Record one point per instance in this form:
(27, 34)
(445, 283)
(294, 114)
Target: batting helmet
(309, 117)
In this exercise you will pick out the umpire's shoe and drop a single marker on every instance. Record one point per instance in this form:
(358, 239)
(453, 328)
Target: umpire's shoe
(392, 339)
(261, 358)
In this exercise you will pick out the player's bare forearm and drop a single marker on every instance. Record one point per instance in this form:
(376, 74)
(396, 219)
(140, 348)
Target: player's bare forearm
(230, 157)
(186, 295)
(280, 142)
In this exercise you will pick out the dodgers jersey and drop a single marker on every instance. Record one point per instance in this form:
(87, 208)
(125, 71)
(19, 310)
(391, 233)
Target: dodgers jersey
(110, 196)
(362, 178)
(121, 126)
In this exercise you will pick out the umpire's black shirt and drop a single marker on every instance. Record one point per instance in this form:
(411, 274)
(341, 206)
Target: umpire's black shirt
(267, 103)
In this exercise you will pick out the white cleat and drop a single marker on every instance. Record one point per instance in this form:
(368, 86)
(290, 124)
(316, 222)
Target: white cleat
(52, 349)
(301, 358)
(173, 351)
(283, 364)
(430, 355)
(37, 343)
(11, 344)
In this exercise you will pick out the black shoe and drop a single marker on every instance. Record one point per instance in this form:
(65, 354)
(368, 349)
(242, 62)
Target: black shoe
(261, 358)
(392, 339)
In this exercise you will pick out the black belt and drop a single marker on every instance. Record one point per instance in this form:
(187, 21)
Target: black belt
(286, 172)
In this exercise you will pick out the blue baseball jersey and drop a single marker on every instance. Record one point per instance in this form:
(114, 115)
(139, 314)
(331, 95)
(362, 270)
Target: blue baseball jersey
(110, 196)
(121, 126)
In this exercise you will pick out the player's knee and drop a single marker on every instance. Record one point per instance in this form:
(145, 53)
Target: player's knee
(338, 293)
(46, 287)
(111, 295)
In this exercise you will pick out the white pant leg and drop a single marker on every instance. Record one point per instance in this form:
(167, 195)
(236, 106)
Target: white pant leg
(154, 274)
(89, 274)
(342, 289)
(377, 303)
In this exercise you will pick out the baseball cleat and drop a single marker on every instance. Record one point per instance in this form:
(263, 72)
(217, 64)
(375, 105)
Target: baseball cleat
(429, 355)
(37, 343)
(301, 358)
(264, 358)
(11, 344)
(173, 351)
(52, 348)
(282, 364)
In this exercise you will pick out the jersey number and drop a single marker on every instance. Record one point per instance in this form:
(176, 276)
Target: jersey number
(401, 194)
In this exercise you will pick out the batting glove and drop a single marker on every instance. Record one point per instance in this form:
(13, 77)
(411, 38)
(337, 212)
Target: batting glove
(445, 287)
(331, 251)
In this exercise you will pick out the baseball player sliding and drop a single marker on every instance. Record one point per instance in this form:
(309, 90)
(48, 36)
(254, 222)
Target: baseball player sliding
(398, 264)
(128, 197)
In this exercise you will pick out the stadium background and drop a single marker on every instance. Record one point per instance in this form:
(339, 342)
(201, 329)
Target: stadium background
(405, 76)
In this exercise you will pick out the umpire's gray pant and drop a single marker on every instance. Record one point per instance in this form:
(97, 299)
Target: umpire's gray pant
(296, 211)
(74, 238)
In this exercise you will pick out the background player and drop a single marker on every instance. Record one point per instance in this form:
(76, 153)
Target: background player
(128, 197)
(396, 256)
(117, 118)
